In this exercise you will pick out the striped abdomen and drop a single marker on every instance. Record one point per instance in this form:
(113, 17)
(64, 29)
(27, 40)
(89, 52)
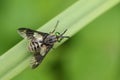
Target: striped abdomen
(34, 46)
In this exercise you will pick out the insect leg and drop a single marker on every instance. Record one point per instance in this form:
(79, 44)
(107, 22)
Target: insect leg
(63, 33)
(62, 37)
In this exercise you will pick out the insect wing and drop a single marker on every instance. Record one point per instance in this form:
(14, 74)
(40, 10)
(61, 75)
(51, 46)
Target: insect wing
(39, 56)
(29, 33)
(25, 32)
(36, 60)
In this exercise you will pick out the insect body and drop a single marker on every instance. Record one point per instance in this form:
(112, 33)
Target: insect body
(40, 42)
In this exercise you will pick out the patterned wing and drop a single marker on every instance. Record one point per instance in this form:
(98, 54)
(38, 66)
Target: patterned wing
(29, 33)
(39, 56)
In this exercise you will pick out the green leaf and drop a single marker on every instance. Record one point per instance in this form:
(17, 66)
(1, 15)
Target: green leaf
(74, 19)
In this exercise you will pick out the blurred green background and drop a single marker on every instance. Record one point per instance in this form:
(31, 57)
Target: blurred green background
(91, 54)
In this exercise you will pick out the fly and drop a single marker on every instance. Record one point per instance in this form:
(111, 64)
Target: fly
(40, 43)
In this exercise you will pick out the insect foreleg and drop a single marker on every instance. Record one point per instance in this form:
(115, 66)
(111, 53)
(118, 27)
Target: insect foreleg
(63, 33)
(62, 37)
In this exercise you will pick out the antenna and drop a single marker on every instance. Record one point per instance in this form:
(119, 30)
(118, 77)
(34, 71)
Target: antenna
(55, 26)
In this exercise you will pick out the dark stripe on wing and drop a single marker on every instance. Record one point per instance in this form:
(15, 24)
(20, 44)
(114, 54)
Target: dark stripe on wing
(38, 57)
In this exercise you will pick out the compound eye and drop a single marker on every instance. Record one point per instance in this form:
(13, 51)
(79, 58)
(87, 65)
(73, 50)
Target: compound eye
(57, 33)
